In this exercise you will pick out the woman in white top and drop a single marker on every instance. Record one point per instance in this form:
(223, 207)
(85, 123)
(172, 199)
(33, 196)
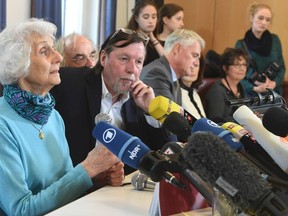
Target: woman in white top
(191, 101)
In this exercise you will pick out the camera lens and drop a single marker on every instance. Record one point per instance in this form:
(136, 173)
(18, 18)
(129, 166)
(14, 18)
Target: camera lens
(261, 78)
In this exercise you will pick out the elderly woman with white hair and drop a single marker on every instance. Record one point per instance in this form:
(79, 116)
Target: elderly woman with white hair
(36, 171)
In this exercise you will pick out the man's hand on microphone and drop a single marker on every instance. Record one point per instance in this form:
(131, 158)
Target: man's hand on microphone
(142, 94)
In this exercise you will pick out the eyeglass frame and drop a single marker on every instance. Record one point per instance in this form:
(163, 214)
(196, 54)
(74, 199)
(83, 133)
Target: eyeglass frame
(91, 57)
(145, 38)
(238, 66)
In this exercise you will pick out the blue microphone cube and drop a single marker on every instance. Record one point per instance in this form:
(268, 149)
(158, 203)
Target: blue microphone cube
(127, 148)
(204, 124)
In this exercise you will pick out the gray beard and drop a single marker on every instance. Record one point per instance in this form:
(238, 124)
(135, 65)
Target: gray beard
(118, 90)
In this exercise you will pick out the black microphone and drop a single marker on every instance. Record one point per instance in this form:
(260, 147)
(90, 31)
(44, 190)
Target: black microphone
(275, 120)
(133, 152)
(238, 180)
(274, 145)
(178, 125)
(261, 158)
(251, 150)
(260, 102)
(140, 182)
(259, 99)
(174, 149)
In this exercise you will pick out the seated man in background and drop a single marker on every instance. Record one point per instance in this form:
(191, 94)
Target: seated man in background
(77, 51)
(182, 51)
(113, 88)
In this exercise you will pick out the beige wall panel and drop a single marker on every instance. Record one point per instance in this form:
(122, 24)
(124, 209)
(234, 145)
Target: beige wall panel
(222, 22)
(232, 21)
(199, 16)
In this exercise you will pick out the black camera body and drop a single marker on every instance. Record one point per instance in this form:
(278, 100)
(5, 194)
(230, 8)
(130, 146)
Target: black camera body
(270, 72)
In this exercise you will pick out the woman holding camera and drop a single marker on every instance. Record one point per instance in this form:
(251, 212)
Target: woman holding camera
(228, 87)
(266, 68)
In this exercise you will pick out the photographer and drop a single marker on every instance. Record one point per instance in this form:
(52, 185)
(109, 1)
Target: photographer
(266, 68)
(228, 87)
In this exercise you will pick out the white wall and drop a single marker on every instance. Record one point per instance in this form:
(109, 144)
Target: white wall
(16, 15)
(17, 11)
(124, 12)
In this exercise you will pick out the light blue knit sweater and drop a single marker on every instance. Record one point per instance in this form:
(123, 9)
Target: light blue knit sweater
(36, 176)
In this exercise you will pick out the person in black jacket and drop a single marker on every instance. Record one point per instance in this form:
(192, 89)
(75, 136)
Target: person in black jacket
(111, 87)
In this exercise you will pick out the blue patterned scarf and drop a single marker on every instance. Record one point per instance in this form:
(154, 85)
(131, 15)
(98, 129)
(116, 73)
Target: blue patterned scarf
(35, 108)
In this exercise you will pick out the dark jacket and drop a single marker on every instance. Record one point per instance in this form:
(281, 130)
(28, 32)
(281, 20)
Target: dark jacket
(158, 75)
(78, 99)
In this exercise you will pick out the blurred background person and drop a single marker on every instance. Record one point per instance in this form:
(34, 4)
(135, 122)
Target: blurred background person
(144, 20)
(77, 51)
(36, 171)
(267, 68)
(191, 100)
(234, 66)
(212, 64)
(170, 17)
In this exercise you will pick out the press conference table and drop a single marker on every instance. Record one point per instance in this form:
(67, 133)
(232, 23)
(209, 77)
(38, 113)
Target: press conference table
(120, 201)
(109, 200)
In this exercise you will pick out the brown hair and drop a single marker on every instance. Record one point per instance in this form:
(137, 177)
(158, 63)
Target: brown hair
(132, 24)
(167, 10)
(111, 43)
(228, 57)
(255, 7)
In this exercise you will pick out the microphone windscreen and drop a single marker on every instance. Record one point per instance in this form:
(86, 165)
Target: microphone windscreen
(102, 117)
(210, 157)
(275, 120)
(205, 124)
(160, 107)
(178, 125)
(127, 148)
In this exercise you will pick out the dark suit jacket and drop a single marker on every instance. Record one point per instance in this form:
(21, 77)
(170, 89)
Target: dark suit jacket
(158, 75)
(1, 90)
(78, 99)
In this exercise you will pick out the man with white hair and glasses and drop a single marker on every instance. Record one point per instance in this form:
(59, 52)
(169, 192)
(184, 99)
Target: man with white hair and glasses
(77, 51)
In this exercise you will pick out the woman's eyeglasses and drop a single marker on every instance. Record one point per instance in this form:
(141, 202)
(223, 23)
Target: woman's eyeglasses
(238, 66)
